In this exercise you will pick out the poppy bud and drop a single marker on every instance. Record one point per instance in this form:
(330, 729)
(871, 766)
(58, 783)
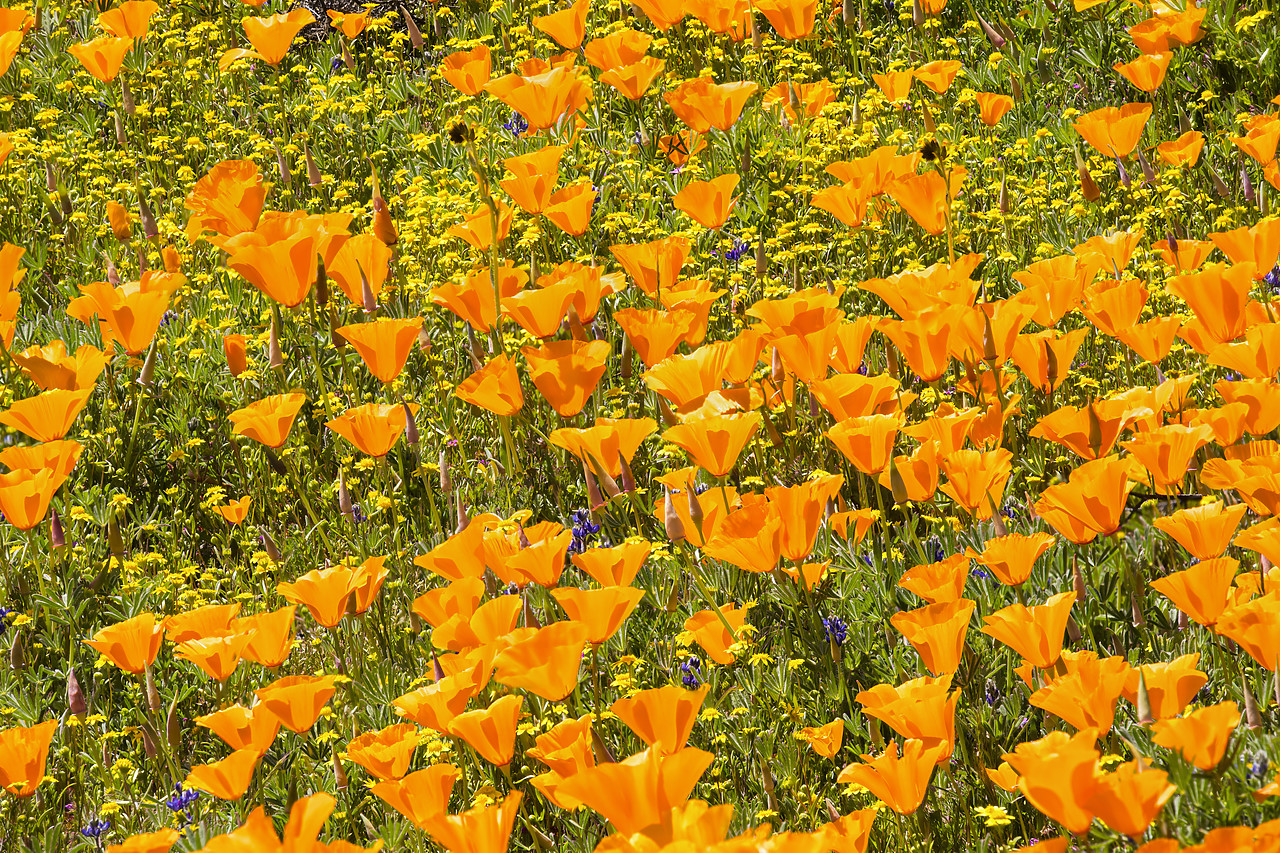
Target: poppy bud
(147, 375)
(761, 264)
(339, 772)
(121, 138)
(628, 357)
(113, 276)
(446, 482)
(664, 411)
(335, 338)
(695, 508)
(766, 779)
(76, 703)
(56, 537)
(347, 59)
(275, 358)
(1004, 195)
(269, 545)
(989, 354)
(436, 669)
(415, 36)
(1043, 71)
(473, 349)
(314, 178)
(153, 695)
(775, 437)
(917, 14)
(1246, 186)
(1088, 188)
(410, 426)
(1252, 718)
(997, 40)
(776, 371)
(1124, 174)
(757, 38)
(850, 19)
(744, 163)
(171, 259)
(173, 728)
(274, 463)
(115, 541)
(1184, 123)
(149, 745)
(1219, 185)
(344, 498)
(594, 499)
(1184, 621)
(576, 329)
(673, 598)
(1095, 430)
(626, 480)
(1135, 604)
(530, 617)
(897, 485)
(671, 519)
(415, 623)
(281, 166)
(464, 518)
(118, 217)
(149, 228)
(1145, 717)
(873, 725)
(1148, 174)
(322, 284)
(1275, 685)
(383, 228)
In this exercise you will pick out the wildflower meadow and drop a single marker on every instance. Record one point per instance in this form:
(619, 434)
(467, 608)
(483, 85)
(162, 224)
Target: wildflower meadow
(641, 427)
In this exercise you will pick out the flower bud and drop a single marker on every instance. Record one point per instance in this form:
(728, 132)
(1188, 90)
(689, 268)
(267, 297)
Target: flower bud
(314, 178)
(671, 520)
(695, 508)
(344, 498)
(76, 703)
(410, 426)
(415, 35)
(282, 166)
(56, 536)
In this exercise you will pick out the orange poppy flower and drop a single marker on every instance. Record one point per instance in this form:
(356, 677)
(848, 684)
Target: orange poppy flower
(1011, 558)
(703, 104)
(925, 197)
(1057, 775)
(10, 41)
(846, 202)
(568, 26)
(269, 420)
(485, 829)
(1183, 151)
(709, 203)
(350, 24)
(976, 480)
(937, 632)
(850, 395)
(589, 284)
(1258, 245)
(532, 178)
(477, 227)
(386, 753)
(938, 582)
(1086, 696)
(366, 582)
(271, 36)
(473, 300)
(227, 779)
(1170, 685)
(360, 269)
(103, 56)
(640, 791)
(653, 266)
(542, 99)
(1035, 633)
(1113, 306)
(25, 495)
(1146, 72)
(663, 14)
(541, 562)
(131, 314)
(383, 344)
(938, 75)
(47, 416)
(898, 781)
(1219, 297)
(791, 19)
(867, 442)
(51, 366)
(422, 796)
(234, 512)
(24, 751)
(1129, 798)
(913, 477)
(435, 705)
(541, 311)
(233, 346)
(1091, 502)
(228, 201)
(616, 566)
(850, 833)
(566, 372)
(546, 664)
(1263, 538)
(824, 740)
(1114, 131)
(992, 107)
(118, 217)
(662, 717)
(895, 85)
(923, 709)
(1205, 531)
(1261, 396)
(655, 334)
(715, 442)
(217, 657)
(749, 538)
(468, 70)
(161, 841)
(297, 700)
(602, 610)
(1255, 627)
(802, 509)
(1256, 357)
(131, 19)
(924, 342)
(710, 633)
(132, 645)
(59, 458)
(241, 728)
(622, 47)
(608, 444)
(1166, 452)
(809, 98)
(324, 592)
(1161, 33)
(373, 428)
(459, 556)
(1201, 736)
(211, 620)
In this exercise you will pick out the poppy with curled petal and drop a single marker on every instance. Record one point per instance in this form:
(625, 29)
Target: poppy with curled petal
(485, 829)
(24, 750)
(25, 495)
(602, 610)
(715, 442)
(633, 80)
(543, 99)
(938, 582)
(566, 372)
(662, 717)
(1201, 736)
(271, 636)
(131, 645)
(242, 728)
(227, 201)
(386, 753)
(709, 203)
(1091, 502)
(546, 664)
(824, 740)
(491, 731)
(616, 566)
(1130, 797)
(131, 314)
(923, 708)
(1010, 558)
(640, 791)
(1170, 685)
(297, 700)
(937, 632)
(900, 781)
(1035, 633)
(703, 104)
(52, 367)
(1219, 296)
(1201, 590)
(435, 705)
(1057, 775)
(1086, 697)
(103, 56)
(1114, 131)
(992, 107)
(421, 796)
(710, 633)
(384, 344)
(324, 591)
(532, 178)
(653, 266)
(749, 538)
(802, 509)
(227, 779)
(494, 387)
(373, 428)
(1146, 72)
(468, 70)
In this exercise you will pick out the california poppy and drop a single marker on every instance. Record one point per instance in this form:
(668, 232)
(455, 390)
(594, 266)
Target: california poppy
(478, 227)
(703, 104)
(161, 841)
(227, 779)
(384, 344)
(662, 717)
(749, 538)
(270, 636)
(25, 495)
(272, 36)
(937, 632)
(566, 372)
(1091, 502)
(421, 796)
(709, 203)
(923, 708)
(655, 334)
(130, 314)
(324, 591)
(710, 632)
(1161, 33)
(485, 829)
(543, 99)
(895, 85)
(1183, 151)
(297, 700)
(373, 428)
(1035, 633)
(546, 664)
(1057, 775)
(218, 656)
(607, 445)
(640, 791)
(714, 443)
(1201, 736)
(824, 740)
(1114, 131)
(900, 781)
(242, 728)
(228, 201)
(47, 416)
(1170, 685)
(24, 750)
(791, 19)
(1146, 72)
(1011, 557)
(131, 645)
(386, 753)
(926, 198)
(474, 301)
(1255, 627)
(468, 71)
(436, 705)
(131, 19)
(1129, 798)
(602, 610)
(533, 176)
(1086, 696)
(924, 342)
(655, 265)
(1219, 296)
(103, 56)
(619, 48)
(992, 107)
(568, 26)
(976, 479)
(940, 581)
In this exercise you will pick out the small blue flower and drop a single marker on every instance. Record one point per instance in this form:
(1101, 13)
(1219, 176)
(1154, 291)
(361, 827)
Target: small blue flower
(5, 613)
(96, 829)
(992, 693)
(515, 125)
(836, 630)
(691, 671)
(584, 530)
(1259, 766)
